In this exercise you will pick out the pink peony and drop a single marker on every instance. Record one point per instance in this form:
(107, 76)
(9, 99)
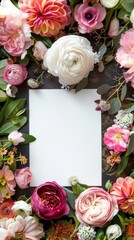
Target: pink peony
(14, 74)
(95, 207)
(15, 33)
(89, 18)
(23, 177)
(117, 139)
(49, 201)
(123, 190)
(46, 17)
(114, 28)
(124, 55)
(7, 183)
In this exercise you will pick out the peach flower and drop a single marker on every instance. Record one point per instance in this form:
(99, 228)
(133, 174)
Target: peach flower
(46, 17)
(116, 138)
(123, 190)
(95, 207)
(23, 177)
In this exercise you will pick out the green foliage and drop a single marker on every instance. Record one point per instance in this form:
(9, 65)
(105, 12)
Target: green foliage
(128, 5)
(123, 92)
(103, 89)
(82, 84)
(79, 187)
(28, 138)
(13, 107)
(102, 50)
(3, 96)
(100, 234)
(115, 105)
(122, 165)
(130, 148)
(122, 13)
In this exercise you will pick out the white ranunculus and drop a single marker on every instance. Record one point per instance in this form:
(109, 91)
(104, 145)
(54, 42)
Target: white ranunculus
(22, 208)
(113, 232)
(109, 3)
(70, 58)
(132, 17)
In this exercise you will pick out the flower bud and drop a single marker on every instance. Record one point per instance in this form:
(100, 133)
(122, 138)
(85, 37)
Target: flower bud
(114, 28)
(109, 3)
(113, 232)
(132, 18)
(32, 83)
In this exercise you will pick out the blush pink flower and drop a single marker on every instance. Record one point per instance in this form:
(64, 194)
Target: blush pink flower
(16, 137)
(14, 74)
(95, 207)
(39, 50)
(125, 56)
(46, 17)
(7, 183)
(89, 18)
(116, 138)
(114, 28)
(123, 190)
(23, 177)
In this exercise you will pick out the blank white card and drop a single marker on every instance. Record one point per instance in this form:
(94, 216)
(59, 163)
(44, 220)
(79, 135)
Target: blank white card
(68, 136)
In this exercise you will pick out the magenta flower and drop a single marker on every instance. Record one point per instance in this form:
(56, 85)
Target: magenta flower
(117, 139)
(89, 18)
(49, 201)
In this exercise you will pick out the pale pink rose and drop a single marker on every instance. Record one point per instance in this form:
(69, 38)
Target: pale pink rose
(16, 137)
(23, 177)
(116, 138)
(14, 74)
(89, 18)
(46, 18)
(95, 207)
(123, 190)
(7, 183)
(129, 76)
(39, 50)
(114, 28)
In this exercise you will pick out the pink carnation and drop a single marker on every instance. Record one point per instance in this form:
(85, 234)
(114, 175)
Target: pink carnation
(117, 139)
(125, 56)
(14, 74)
(123, 190)
(23, 177)
(89, 18)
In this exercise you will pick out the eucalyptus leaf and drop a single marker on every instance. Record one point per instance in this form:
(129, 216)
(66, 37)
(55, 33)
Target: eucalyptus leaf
(8, 127)
(13, 107)
(82, 84)
(108, 18)
(28, 138)
(128, 5)
(102, 50)
(123, 92)
(115, 105)
(3, 63)
(130, 148)
(103, 89)
(122, 13)
(122, 165)
(71, 197)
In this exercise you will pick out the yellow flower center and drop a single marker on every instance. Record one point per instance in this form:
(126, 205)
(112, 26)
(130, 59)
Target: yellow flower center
(118, 137)
(2, 182)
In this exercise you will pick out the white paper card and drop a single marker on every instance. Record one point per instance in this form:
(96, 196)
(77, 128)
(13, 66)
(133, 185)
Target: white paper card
(68, 132)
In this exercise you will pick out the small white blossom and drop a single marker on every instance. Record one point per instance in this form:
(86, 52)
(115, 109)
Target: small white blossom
(32, 83)
(124, 119)
(104, 105)
(22, 208)
(86, 232)
(11, 90)
(113, 232)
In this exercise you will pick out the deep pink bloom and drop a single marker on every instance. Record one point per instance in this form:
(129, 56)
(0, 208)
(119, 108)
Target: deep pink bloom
(89, 18)
(14, 74)
(49, 201)
(46, 17)
(123, 190)
(117, 139)
(95, 207)
(23, 177)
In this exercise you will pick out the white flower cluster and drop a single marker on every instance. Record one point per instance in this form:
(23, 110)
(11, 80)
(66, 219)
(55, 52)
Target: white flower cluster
(124, 119)
(86, 232)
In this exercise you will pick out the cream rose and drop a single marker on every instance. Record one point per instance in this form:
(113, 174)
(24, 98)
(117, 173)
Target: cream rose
(95, 207)
(109, 3)
(70, 58)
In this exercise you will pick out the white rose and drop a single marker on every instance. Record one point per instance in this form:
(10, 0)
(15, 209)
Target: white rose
(70, 58)
(109, 3)
(113, 232)
(132, 17)
(22, 208)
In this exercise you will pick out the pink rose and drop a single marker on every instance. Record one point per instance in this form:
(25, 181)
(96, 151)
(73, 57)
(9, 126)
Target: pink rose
(49, 201)
(95, 207)
(123, 190)
(23, 177)
(114, 28)
(89, 18)
(14, 74)
(116, 138)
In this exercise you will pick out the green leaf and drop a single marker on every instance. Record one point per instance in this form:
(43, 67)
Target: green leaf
(108, 18)
(3, 96)
(122, 165)
(82, 84)
(100, 235)
(102, 50)
(71, 197)
(79, 187)
(2, 111)
(21, 112)
(123, 92)
(103, 89)
(130, 109)
(13, 107)
(13, 166)
(8, 127)
(3, 63)
(115, 105)
(28, 138)
(130, 148)
(3, 84)
(122, 13)
(122, 221)
(128, 5)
